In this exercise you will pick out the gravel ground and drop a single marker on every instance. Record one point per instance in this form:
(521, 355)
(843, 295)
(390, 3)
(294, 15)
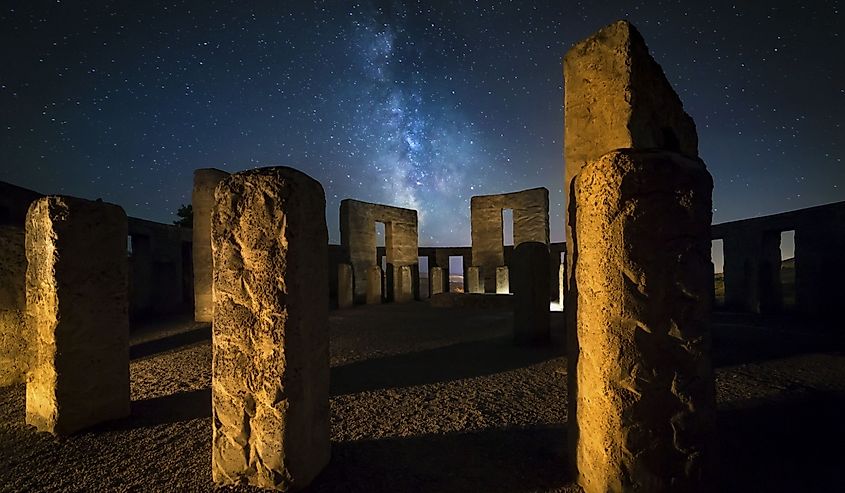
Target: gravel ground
(427, 399)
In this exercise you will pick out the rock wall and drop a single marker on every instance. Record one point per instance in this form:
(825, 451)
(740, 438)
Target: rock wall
(358, 236)
(77, 314)
(270, 367)
(202, 200)
(530, 223)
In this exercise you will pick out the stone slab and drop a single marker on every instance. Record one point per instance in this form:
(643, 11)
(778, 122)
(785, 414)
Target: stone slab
(202, 202)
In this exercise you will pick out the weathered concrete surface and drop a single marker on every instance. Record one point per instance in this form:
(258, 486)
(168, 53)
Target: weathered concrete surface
(403, 290)
(374, 284)
(202, 200)
(530, 223)
(561, 277)
(503, 285)
(270, 369)
(344, 286)
(77, 314)
(531, 323)
(14, 353)
(645, 402)
(436, 279)
(474, 280)
(358, 236)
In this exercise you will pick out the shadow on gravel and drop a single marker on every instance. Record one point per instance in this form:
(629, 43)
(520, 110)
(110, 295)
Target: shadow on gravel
(149, 348)
(496, 460)
(454, 362)
(736, 344)
(173, 408)
(783, 446)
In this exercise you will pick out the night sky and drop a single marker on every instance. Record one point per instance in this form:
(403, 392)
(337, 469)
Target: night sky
(415, 104)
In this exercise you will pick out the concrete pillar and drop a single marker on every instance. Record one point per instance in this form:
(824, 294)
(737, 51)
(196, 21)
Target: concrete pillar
(561, 277)
(202, 202)
(502, 280)
(78, 314)
(474, 280)
(436, 280)
(344, 286)
(531, 322)
(646, 398)
(14, 350)
(403, 286)
(270, 369)
(374, 282)
(770, 292)
(742, 270)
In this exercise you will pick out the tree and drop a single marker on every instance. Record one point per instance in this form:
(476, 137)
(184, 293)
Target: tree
(185, 215)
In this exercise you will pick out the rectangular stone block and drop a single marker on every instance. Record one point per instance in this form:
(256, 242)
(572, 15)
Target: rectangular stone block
(14, 351)
(344, 286)
(561, 279)
(202, 202)
(502, 280)
(374, 284)
(403, 287)
(437, 280)
(531, 323)
(474, 280)
(77, 314)
(270, 367)
(646, 399)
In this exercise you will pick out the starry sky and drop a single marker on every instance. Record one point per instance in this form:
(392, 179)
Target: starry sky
(415, 104)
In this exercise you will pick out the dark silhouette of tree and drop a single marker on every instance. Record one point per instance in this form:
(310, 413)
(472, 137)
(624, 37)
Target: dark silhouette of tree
(185, 215)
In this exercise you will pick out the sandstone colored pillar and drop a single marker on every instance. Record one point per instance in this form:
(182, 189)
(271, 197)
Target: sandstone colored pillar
(531, 323)
(270, 367)
(646, 399)
(561, 278)
(403, 286)
(436, 280)
(344, 286)
(374, 282)
(77, 314)
(14, 350)
(202, 202)
(502, 280)
(474, 280)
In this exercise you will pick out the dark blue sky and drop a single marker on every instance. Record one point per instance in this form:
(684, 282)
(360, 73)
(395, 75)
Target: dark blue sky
(419, 104)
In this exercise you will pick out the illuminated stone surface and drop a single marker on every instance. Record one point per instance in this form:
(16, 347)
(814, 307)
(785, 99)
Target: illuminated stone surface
(436, 280)
(374, 283)
(202, 202)
(77, 314)
(270, 368)
(358, 236)
(645, 401)
(14, 353)
(474, 280)
(531, 322)
(530, 223)
(502, 280)
(344, 286)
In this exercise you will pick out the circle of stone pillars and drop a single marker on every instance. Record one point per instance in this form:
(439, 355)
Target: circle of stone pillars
(637, 304)
(270, 366)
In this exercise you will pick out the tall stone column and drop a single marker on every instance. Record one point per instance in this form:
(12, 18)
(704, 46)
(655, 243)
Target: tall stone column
(78, 314)
(474, 280)
(344, 286)
(646, 399)
(436, 280)
(403, 286)
(270, 366)
(14, 342)
(503, 285)
(202, 202)
(531, 323)
(374, 285)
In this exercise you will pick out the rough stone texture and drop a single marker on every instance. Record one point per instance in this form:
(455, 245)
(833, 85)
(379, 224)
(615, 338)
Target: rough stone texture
(358, 236)
(645, 401)
(503, 285)
(270, 368)
(344, 286)
(202, 202)
(77, 314)
(615, 96)
(561, 277)
(436, 280)
(403, 291)
(530, 223)
(531, 323)
(14, 354)
(474, 280)
(374, 284)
